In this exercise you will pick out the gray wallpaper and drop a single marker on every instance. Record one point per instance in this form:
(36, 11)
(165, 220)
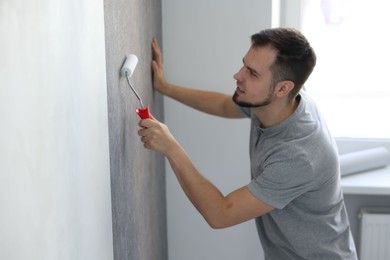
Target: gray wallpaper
(137, 174)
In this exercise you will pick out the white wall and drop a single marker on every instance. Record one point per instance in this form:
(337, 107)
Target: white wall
(203, 44)
(54, 157)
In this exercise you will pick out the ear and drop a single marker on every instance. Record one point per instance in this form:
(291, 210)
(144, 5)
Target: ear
(283, 88)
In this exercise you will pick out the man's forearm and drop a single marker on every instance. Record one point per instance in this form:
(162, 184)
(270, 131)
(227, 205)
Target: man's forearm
(214, 103)
(206, 198)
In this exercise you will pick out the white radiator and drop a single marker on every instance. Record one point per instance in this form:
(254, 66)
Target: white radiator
(374, 234)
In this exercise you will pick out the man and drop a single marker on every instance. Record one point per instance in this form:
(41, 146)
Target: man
(295, 194)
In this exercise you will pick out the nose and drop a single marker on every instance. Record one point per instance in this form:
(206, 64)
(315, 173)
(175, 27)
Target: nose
(237, 76)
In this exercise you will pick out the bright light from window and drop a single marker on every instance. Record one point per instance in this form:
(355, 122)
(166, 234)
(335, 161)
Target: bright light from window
(351, 80)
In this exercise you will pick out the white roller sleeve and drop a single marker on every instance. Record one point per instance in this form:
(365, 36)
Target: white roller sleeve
(129, 65)
(364, 160)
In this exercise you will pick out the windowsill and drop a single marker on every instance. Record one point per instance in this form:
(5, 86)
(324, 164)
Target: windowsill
(375, 182)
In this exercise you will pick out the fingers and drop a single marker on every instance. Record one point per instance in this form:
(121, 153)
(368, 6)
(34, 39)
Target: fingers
(145, 135)
(145, 139)
(157, 63)
(146, 123)
(158, 77)
(157, 57)
(156, 136)
(146, 131)
(154, 66)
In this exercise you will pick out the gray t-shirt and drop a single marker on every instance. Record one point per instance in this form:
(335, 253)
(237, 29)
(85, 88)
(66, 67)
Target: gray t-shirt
(295, 169)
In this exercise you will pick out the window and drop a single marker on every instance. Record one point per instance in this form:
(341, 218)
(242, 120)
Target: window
(351, 80)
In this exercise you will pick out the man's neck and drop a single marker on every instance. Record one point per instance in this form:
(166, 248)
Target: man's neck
(276, 112)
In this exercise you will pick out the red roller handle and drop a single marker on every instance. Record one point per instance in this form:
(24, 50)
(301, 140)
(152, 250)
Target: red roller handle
(143, 113)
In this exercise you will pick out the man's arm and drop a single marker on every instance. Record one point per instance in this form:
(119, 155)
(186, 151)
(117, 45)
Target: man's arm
(206, 101)
(218, 210)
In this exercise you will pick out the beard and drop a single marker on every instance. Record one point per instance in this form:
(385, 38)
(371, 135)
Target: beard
(267, 100)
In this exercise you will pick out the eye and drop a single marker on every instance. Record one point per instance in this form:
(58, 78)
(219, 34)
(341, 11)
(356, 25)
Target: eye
(252, 73)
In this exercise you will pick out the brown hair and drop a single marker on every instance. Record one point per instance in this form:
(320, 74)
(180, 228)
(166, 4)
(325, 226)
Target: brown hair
(295, 58)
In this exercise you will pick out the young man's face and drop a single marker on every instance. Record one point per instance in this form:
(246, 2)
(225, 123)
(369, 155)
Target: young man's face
(254, 79)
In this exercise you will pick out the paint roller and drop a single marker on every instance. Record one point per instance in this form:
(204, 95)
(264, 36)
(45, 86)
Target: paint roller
(127, 71)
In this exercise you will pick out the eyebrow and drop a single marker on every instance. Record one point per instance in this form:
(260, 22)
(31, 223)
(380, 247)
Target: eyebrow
(249, 68)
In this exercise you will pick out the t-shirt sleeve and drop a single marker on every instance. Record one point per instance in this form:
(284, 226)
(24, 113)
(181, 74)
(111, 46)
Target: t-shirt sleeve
(282, 181)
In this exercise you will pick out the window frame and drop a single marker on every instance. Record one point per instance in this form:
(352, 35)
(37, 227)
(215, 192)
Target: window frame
(288, 13)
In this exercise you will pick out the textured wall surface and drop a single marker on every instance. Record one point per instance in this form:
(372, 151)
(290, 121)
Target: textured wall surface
(137, 174)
